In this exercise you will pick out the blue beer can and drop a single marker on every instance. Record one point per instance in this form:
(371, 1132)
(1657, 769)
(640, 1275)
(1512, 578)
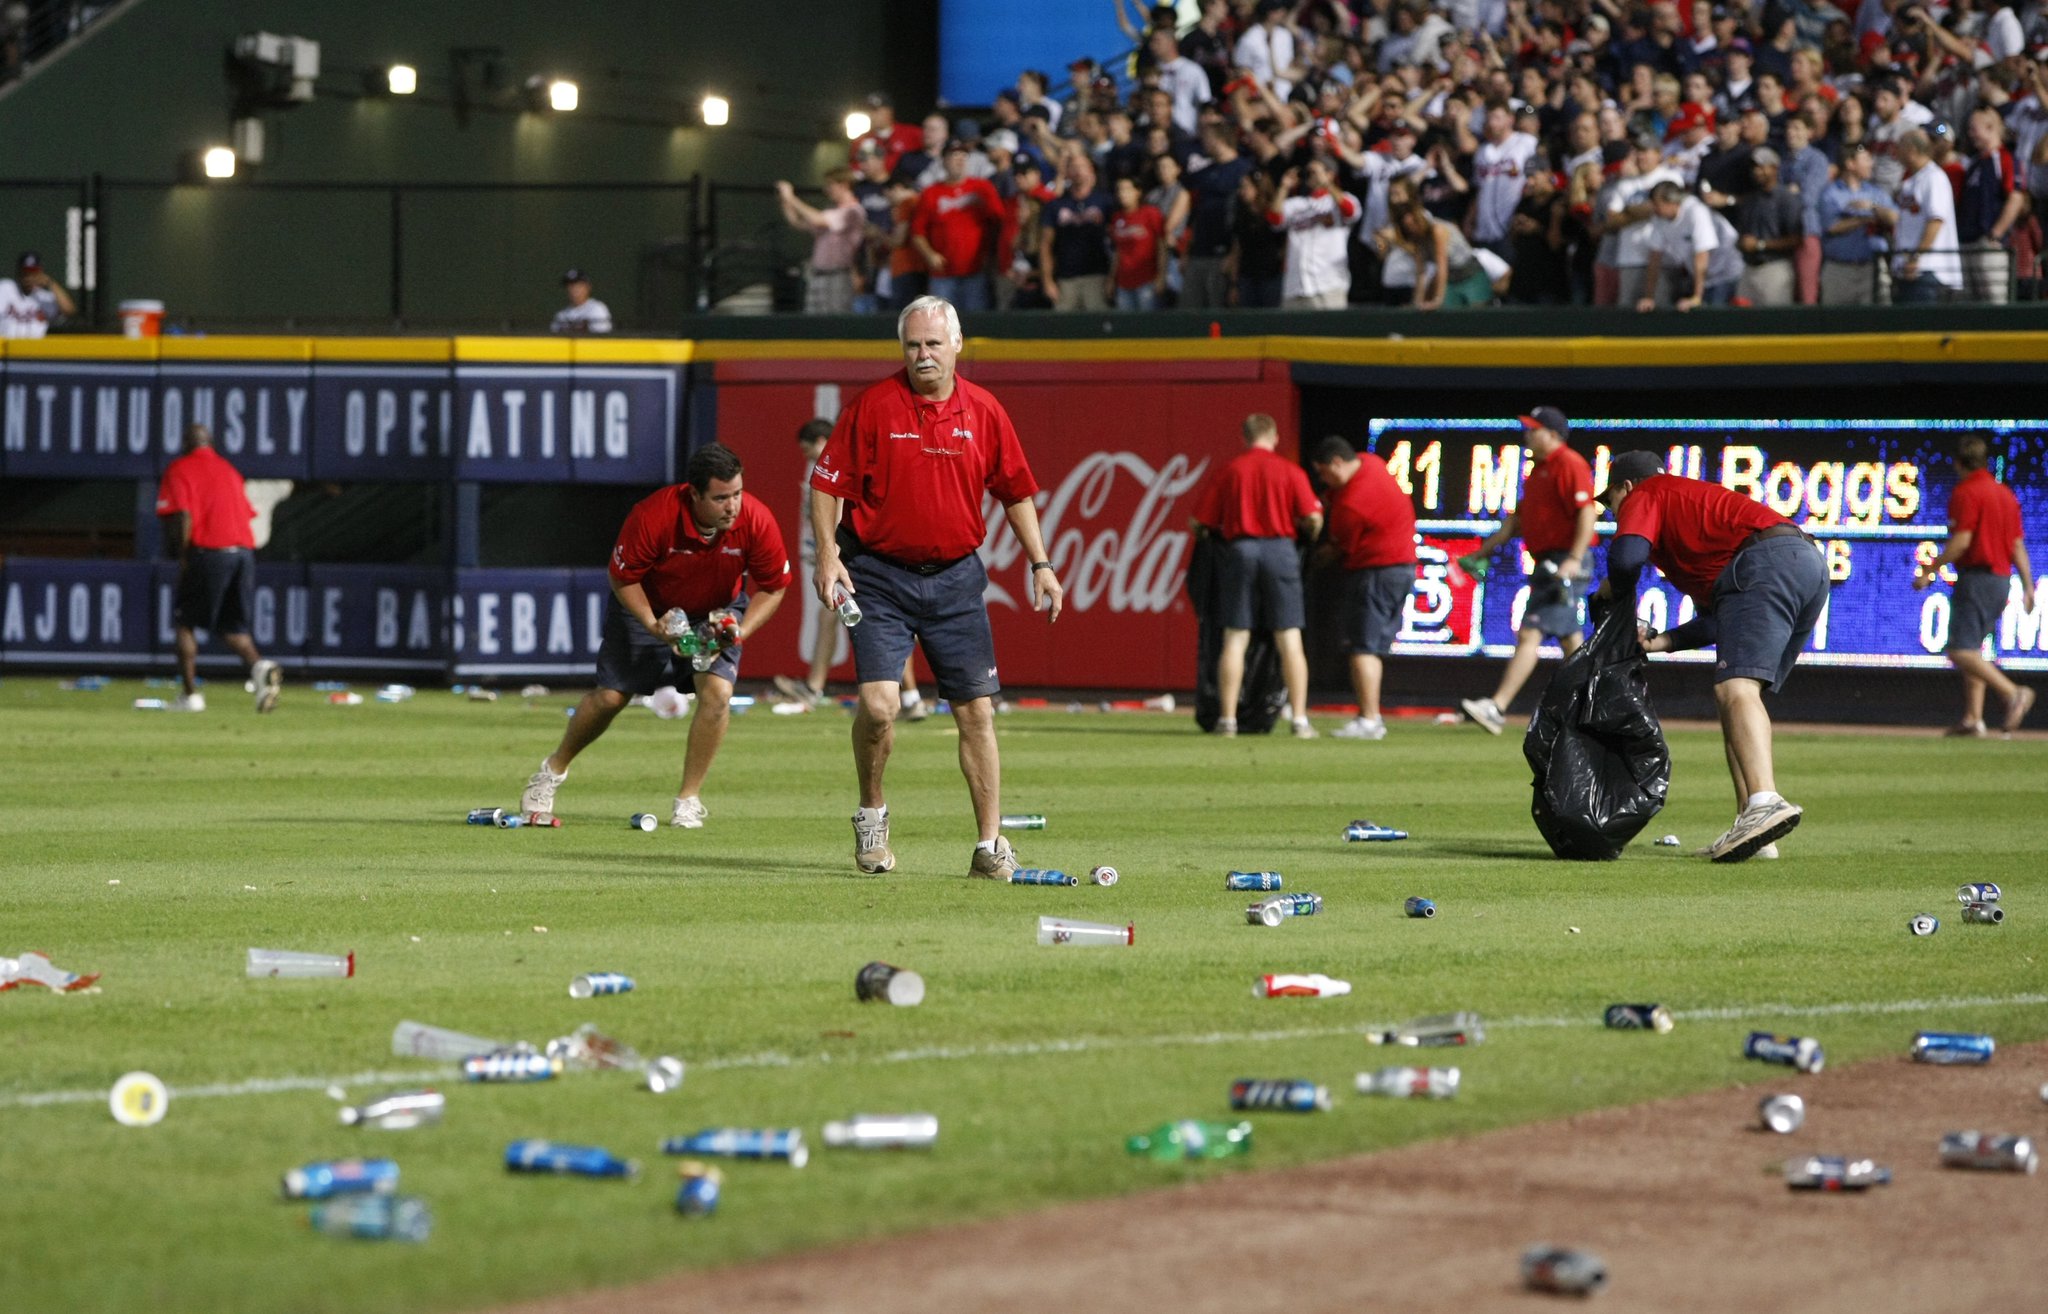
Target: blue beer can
(510, 1065)
(1041, 876)
(743, 1143)
(1372, 832)
(486, 816)
(1289, 1096)
(1419, 907)
(600, 983)
(1949, 1047)
(1252, 880)
(698, 1194)
(331, 1177)
(1985, 892)
(541, 1156)
(1801, 1052)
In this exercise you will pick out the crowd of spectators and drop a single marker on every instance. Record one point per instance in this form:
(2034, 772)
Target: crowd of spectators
(1432, 153)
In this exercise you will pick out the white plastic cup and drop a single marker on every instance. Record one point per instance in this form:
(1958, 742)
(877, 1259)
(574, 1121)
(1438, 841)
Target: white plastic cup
(287, 963)
(418, 1040)
(142, 319)
(1066, 930)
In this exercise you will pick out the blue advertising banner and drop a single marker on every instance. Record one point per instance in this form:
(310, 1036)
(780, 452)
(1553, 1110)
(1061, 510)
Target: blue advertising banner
(78, 421)
(527, 622)
(260, 416)
(587, 424)
(383, 422)
(59, 613)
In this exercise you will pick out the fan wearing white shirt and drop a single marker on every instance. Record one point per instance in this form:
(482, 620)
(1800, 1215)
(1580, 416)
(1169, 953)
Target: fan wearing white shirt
(1181, 78)
(1497, 171)
(1629, 216)
(1928, 262)
(1266, 50)
(1695, 241)
(1318, 228)
(584, 313)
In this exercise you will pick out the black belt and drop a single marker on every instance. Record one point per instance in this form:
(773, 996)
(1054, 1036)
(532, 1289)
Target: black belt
(225, 549)
(851, 548)
(1775, 531)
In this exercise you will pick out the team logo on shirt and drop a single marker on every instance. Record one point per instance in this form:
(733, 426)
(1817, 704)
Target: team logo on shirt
(964, 434)
(730, 551)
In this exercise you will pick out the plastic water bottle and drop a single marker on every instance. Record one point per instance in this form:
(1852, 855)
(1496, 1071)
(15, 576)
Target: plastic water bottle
(1309, 984)
(1438, 1029)
(1408, 1083)
(375, 1218)
(1192, 1138)
(845, 607)
(538, 1156)
(332, 1177)
(400, 1111)
(884, 1131)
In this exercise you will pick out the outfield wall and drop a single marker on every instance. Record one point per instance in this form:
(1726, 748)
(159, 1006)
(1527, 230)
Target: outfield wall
(1121, 434)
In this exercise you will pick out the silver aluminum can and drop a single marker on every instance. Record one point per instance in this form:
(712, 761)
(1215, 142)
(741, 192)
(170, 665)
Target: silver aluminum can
(1553, 1268)
(1999, 1153)
(1924, 924)
(1783, 1114)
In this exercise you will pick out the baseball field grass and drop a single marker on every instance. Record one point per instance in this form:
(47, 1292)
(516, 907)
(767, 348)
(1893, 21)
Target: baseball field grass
(156, 848)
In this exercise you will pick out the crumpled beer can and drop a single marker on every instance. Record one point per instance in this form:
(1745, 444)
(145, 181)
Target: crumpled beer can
(1553, 1268)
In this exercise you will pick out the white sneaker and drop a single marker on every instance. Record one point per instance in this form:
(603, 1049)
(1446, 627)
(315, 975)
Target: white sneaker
(689, 814)
(914, 707)
(191, 702)
(1302, 729)
(1360, 727)
(1757, 825)
(1226, 726)
(871, 845)
(998, 864)
(540, 791)
(268, 677)
(797, 691)
(1484, 711)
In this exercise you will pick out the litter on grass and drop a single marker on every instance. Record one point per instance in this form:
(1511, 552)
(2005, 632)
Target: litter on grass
(34, 968)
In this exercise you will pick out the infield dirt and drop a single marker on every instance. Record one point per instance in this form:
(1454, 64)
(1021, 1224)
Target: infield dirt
(1683, 1198)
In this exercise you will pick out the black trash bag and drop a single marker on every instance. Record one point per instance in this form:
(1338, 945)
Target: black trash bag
(1602, 766)
(1263, 694)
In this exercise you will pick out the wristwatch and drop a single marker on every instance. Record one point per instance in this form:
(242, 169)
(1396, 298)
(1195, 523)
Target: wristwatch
(1041, 565)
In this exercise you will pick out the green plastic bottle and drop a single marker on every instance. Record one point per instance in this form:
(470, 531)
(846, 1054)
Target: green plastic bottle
(1191, 1138)
(1478, 565)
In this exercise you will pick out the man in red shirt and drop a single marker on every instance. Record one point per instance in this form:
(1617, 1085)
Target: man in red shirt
(694, 546)
(1555, 517)
(894, 138)
(1760, 585)
(1371, 535)
(1986, 542)
(1256, 505)
(954, 228)
(206, 517)
(896, 508)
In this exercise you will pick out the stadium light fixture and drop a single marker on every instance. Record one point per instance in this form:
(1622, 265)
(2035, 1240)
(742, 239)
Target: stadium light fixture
(563, 95)
(857, 125)
(716, 111)
(402, 79)
(218, 162)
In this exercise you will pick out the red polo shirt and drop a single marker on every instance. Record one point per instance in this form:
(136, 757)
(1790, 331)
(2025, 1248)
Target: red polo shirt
(1372, 521)
(959, 219)
(1694, 528)
(1136, 234)
(1991, 513)
(1548, 514)
(661, 550)
(898, 141)
(205, 487)
(1259, 494)
(912, 471)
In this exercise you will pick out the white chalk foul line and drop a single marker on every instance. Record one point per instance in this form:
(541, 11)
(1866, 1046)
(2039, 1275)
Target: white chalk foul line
(1040, 1048)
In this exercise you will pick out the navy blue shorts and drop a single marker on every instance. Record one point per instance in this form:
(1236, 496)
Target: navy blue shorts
(216, 590)
(633, 661)
(1974, 606)
(1766, 603)
(1260, 584)
(1553, 608)
(942, 612)
(1374, 599)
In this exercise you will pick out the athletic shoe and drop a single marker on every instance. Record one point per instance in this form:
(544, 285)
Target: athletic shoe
(689, 814)
(268, 677)
(2022, 703)
(797, 691)
(1360, 727)
(998, 864)
(540, 790)
(191, 702)
(1226, 726)
(1485, 713)
(1757, 825)
(914, 706)
(1966, 730)
(1302, 729)
(871, 845)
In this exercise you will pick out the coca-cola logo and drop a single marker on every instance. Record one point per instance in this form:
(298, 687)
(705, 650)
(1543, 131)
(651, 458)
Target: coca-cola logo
(1135, 566)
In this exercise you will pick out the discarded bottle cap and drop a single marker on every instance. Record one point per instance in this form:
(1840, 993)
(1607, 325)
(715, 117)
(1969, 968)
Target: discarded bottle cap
(664, 1074)
(1924, 925)
(139, 1100)
(1783, 1114)
(1103, 876)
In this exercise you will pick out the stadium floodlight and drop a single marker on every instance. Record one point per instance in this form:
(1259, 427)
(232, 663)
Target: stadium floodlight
(716, 111)
(857, 125)
(402, 79)
(563, 95)
(218, 162)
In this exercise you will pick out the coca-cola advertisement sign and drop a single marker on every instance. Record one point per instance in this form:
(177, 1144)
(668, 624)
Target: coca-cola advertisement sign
(1120, 451)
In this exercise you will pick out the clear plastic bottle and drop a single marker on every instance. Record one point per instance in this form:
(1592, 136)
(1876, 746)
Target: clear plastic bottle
(375, 1218)
(884, 1131)
(1437, 1029)
(1192, 1138)
(399, 1111)
(1405, 1083)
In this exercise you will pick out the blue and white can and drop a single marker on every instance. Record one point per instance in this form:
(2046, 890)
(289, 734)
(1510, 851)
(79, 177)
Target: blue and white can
(643, 821)
(1952, 1047)
(1801, 1052)
(510, 1065)
(1416, 907)
(1986, 892)
(486, 816)
(698, 1195)
(1252, 880)
(600, 983)
(331, 1177)
(540, 1156)
(1293, 1096)
(1041, 876)
(744, 1143)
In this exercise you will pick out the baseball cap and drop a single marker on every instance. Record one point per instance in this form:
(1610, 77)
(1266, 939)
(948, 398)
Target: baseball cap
(1741, 43)
(1689, 116)
(1548, 417)
(960, 144)
(1002, 139)
(574, 275)
(29, 260)
(1764, 155)
(1632, 467)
